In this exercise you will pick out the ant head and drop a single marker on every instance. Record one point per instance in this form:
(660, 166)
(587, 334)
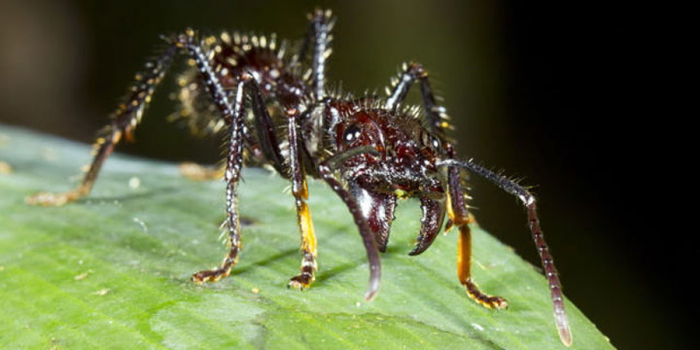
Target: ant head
(387, 150)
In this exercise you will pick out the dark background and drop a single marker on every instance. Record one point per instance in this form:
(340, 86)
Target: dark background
(548, 92)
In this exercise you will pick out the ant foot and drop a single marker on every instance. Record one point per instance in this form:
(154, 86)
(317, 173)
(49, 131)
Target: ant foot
(47, 199)
(212, 275)
(196, 172)
(485, 300)
(301, 281)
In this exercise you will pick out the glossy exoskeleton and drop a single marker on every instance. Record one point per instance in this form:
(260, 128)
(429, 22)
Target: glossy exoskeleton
(369, 150)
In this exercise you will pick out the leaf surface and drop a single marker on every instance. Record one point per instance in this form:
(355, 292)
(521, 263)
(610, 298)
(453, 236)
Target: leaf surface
(113, 270)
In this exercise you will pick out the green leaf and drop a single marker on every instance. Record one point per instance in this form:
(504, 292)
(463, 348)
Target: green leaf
(113, 270)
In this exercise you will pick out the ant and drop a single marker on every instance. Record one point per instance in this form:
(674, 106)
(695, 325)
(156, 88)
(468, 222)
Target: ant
(369, 150)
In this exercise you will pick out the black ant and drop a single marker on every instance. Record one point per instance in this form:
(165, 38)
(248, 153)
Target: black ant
(369, 150)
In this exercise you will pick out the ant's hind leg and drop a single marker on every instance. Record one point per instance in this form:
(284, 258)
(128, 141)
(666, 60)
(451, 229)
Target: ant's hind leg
(123, 124)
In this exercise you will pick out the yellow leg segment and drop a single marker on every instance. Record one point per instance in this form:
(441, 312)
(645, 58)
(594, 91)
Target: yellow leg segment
(464, 254)
(308, 242)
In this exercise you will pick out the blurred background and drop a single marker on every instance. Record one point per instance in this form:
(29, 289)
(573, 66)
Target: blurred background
(542, 91)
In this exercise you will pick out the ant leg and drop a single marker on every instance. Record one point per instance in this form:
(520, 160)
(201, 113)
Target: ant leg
(300, 191)
(322, 24)
(550, 270)
(123, 123)
(435, 114)
(233, 114)
(528, 200)
(266, 131)
(232, 175)
(269, 146)
(319, 33)
(253, 153)
(128, 115)
(234, 161)
(456, 206)
(459, 216)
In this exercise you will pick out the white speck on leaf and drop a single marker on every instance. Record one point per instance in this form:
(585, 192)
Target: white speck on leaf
(141, 223)
(134, 183)
(49, 154)
(82, 276)
(4, 140)
(102, 292)
(5, 168)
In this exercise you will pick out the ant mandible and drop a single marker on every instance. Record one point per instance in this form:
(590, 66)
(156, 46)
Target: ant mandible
(369, 150)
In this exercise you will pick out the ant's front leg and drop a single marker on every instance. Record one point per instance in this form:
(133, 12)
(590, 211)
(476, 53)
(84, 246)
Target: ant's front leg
(123, 124)
(550, 271)
(300, 191)
(456, 205)
(459, 216)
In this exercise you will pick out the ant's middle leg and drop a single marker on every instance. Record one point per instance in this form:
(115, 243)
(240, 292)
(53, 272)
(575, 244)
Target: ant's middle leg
(234, 163)
(300, 191)
(456, 206)
(255, 153)
(434, 113)
(319, 34)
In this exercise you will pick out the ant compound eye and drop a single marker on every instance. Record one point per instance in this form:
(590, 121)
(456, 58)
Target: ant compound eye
(435, 142)
(351, 134)
(430, 140)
